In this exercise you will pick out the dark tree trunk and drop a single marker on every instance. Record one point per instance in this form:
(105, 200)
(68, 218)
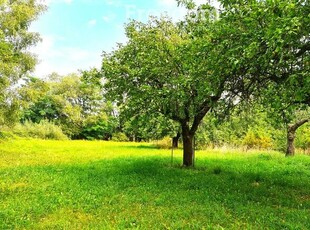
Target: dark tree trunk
(291, 134)
(188, 132)
(175, 140)
(188, 150)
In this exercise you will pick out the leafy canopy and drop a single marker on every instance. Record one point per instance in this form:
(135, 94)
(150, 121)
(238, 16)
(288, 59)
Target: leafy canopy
(15, 39)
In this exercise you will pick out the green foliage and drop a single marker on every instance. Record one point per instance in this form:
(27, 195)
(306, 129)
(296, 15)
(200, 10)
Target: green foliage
(249, 126)
(164, 143)
(303, 138)
(279, 139)
(185, 70)
(15, 40)
(148, 127)
(106, 185)
(119, 137)
(269, 41)
(6, 135)
(9, 112)
(42, 130)
(257, 139)
(73, 102)
(52, 101)
(213, 133)
(98, 128)
(54, 109)
(44, 109)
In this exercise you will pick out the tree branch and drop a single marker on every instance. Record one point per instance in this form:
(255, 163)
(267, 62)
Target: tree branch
(295, 126)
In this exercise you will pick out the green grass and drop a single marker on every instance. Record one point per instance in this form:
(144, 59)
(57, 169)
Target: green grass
(105, 185)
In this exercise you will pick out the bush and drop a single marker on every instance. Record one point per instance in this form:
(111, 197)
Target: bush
(164, 143)
(202, 140)
(98, 128)
(303, 138)
(255, 139)
(279, 140)
(119, 137)
(42, 130)
(4, 135)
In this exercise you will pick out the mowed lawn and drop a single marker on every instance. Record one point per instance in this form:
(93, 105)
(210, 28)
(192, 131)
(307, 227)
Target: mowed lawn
(105, 185)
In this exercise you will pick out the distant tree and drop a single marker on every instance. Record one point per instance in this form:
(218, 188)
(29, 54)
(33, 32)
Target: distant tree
(75, 102)
(52, 101)
(15, 39)
(91, 92)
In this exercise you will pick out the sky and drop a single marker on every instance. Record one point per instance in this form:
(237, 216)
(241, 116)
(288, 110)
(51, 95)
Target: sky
(75, 32)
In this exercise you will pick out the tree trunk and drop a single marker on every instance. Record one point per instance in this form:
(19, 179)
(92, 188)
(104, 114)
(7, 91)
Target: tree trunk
(188, 150)
(175, 140)
(291, 134)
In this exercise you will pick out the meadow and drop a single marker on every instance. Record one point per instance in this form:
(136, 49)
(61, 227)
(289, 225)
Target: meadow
(107, 185)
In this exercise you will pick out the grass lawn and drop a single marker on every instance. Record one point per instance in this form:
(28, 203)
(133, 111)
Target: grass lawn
(105, 185)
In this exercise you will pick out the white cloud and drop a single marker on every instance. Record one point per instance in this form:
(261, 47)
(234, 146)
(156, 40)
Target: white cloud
(109, 17)
(173, 3)
(169, 3)
(199, 2)
(113, 2)
(92, 22)
(49, 2)
(62, 60)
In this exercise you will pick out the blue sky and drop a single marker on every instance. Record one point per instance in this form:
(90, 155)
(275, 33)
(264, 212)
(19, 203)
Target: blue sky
(75, 32)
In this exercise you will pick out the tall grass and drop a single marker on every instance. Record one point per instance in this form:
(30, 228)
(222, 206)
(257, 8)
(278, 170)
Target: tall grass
(107, 185)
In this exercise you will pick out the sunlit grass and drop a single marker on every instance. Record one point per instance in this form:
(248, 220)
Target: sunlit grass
(106, 185)
(46, 152)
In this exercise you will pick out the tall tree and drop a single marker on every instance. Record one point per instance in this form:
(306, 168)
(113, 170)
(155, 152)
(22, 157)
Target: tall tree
(162, 69)
(15, 40)
(183, 71)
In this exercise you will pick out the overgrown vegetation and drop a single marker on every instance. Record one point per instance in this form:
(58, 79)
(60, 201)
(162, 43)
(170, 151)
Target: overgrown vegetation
(43, 130)
(107, 185)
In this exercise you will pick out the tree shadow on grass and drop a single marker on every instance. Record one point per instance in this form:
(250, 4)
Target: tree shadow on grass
(146, 147)
(249, 193)
(220, 183)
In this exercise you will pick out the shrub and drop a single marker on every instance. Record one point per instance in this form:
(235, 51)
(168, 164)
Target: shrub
(303, 138)
(255, 139)
(164, 143)
(202, 140)
(279, 139)
(119, 137)
(98, 128)
(42, 130)
(4, 135)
